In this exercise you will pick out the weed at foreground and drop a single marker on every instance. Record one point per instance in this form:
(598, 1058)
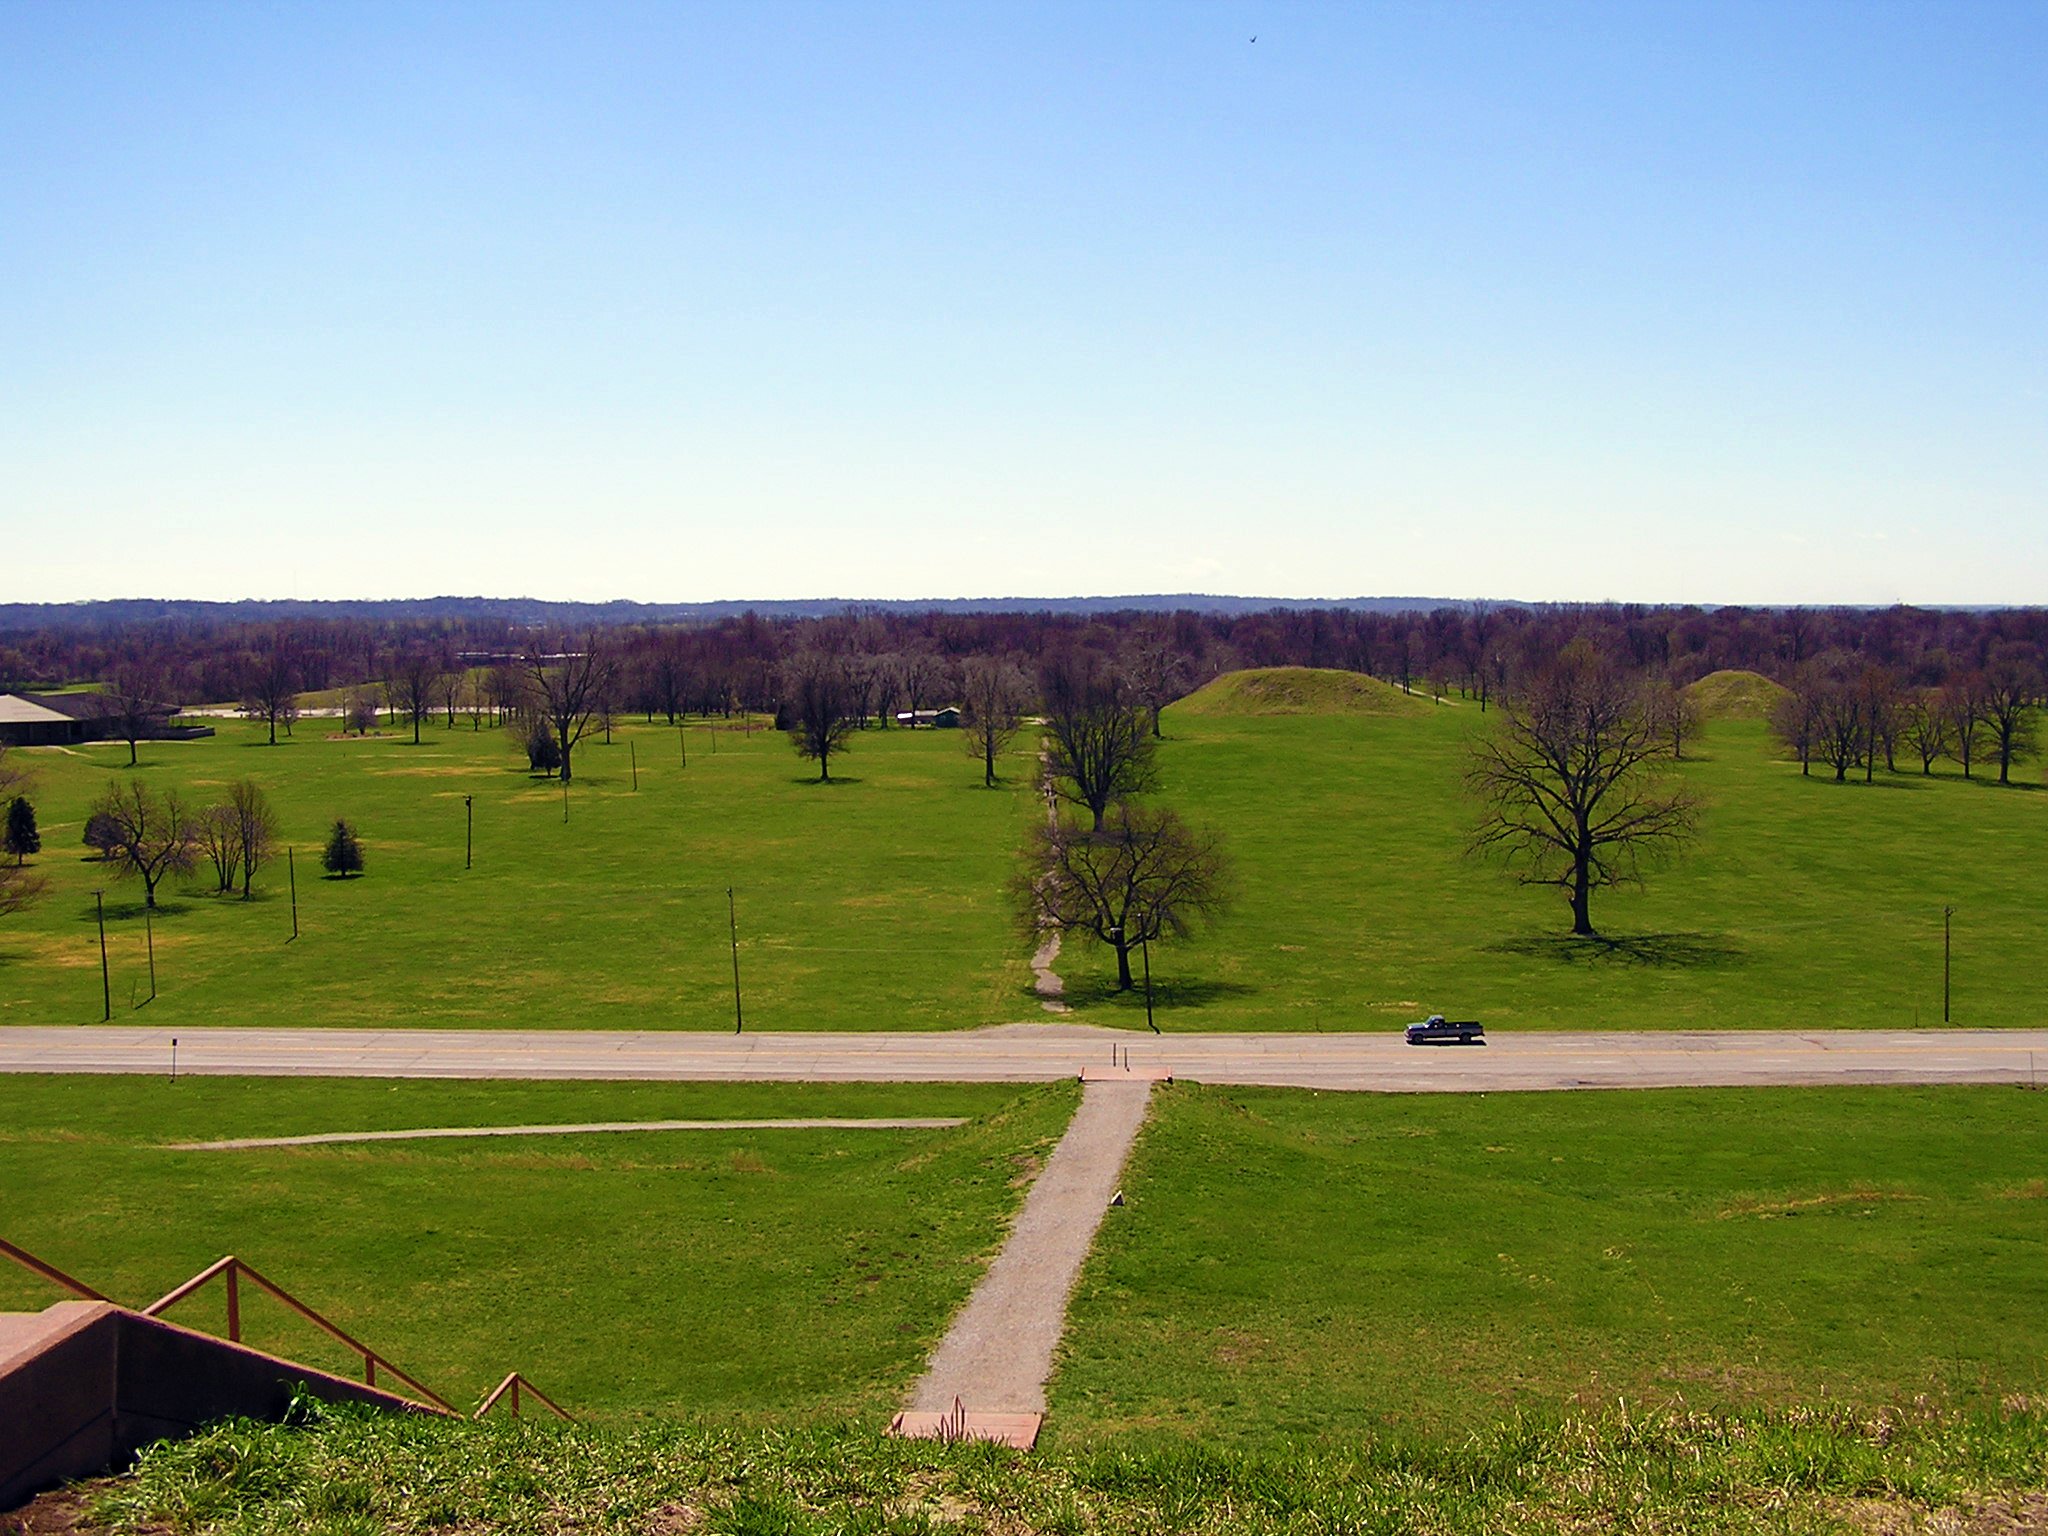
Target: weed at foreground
(1796, 1471)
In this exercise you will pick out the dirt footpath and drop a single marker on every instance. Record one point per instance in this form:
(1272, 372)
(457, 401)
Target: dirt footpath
(999, 1353)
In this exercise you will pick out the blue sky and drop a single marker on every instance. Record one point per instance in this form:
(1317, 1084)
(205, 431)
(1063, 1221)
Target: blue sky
(1716, 302)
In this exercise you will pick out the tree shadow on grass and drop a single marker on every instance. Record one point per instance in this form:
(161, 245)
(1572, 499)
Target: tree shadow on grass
(1168, 995)
(131, 911)
(1650, 951)
(812, 781)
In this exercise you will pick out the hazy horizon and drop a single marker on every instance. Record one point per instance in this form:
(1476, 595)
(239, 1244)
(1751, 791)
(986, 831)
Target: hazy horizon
(1740, 304)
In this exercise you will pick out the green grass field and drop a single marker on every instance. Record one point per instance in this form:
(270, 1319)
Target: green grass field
(1294, 1264)
(869, 903)
(878, 902)
(756, 1276)
(1803, 904)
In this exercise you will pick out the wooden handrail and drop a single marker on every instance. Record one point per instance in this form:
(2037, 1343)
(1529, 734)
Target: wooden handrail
(49, 1272)
(513, 1384)
(233, 1269)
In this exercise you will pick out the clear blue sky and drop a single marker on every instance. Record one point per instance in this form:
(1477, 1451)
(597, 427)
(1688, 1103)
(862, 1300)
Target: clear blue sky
(1715, 302)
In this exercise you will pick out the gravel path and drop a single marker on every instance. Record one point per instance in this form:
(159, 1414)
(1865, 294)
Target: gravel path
(329, 1138)
(1044, 979)
(998, 1354)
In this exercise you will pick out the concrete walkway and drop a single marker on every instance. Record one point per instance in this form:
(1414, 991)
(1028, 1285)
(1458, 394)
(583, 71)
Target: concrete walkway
(998, 1354)
(1029, 1053)
(598, 1127)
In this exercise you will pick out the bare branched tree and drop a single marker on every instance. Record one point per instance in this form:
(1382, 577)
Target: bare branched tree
(221, 841)
(256, 829)
(1924, 727)
(2011, 684)
(135, 704)
(817, 706)
(1098, 748)
(995, 695)
(415, 683)
(1567, 784)
(270, 687)
(568, 688)
(1143, 877)
(150, 836)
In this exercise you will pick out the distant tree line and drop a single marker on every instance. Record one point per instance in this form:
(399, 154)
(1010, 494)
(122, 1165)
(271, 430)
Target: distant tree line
(1866, 686)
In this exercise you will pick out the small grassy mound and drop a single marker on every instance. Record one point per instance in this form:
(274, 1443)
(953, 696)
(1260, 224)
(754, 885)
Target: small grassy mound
(1299, 691)
(1735, 695)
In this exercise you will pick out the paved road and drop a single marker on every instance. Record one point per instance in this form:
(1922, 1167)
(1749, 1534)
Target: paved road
(997, 1356)
(1043, 1052)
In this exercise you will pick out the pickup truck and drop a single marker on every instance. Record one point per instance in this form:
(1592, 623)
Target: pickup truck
(1437, 1030)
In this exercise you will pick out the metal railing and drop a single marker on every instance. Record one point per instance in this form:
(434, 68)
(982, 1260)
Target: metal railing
(232, 1271)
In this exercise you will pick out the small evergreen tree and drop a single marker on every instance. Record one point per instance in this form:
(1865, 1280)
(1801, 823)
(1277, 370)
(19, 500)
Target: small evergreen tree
(543, 751)
(22, 837)
(344, 855)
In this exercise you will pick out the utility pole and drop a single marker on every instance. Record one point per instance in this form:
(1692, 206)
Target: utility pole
(565, 802)
(291, 865)
(1145, 948)
(683, 743)
(106, 979)
(732, 917)
(1946, 914)
(149, 932)
(633, 752)
(469, 831)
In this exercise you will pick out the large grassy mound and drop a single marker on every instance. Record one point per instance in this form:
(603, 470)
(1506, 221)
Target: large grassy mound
(1735, 695)
(1298, 691)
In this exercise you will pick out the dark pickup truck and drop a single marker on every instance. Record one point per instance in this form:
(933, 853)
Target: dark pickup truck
(1438, 1030)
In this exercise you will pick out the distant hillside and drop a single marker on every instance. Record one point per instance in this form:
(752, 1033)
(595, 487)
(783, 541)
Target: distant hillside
(1299, 691)
(118, 612)
(1734, 695)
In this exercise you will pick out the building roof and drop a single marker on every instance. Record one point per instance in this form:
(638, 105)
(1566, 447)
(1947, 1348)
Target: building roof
(76, 706)
(16, 710)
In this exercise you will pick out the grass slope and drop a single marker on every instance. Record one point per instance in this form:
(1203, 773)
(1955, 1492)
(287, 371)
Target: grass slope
(1803, 903)
(1308, 1264)
(1297, 691)
(757, 1275)
(1731, 694)
(873, 902)
(1804, 1472)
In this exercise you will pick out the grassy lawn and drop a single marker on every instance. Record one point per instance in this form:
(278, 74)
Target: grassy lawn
(754, 1275)
(1804, 903)
(1292, 1263)
(872, 903)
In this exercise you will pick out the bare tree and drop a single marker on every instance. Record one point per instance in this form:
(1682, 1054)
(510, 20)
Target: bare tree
(1156, 670)
(1793, 721)
(134, 703)
(995, 694)
(1098, 749)
(924, 675)
(1567, 786)
(1676, 716)
(1924, 727)
(414, 684)
(2011, 682)
(270, 688)
(151, 836)
(220, 840)
(1143, 877)
(1962, 701)
(569, 687)
(506, 690)
(818, 705)
(256, 829)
